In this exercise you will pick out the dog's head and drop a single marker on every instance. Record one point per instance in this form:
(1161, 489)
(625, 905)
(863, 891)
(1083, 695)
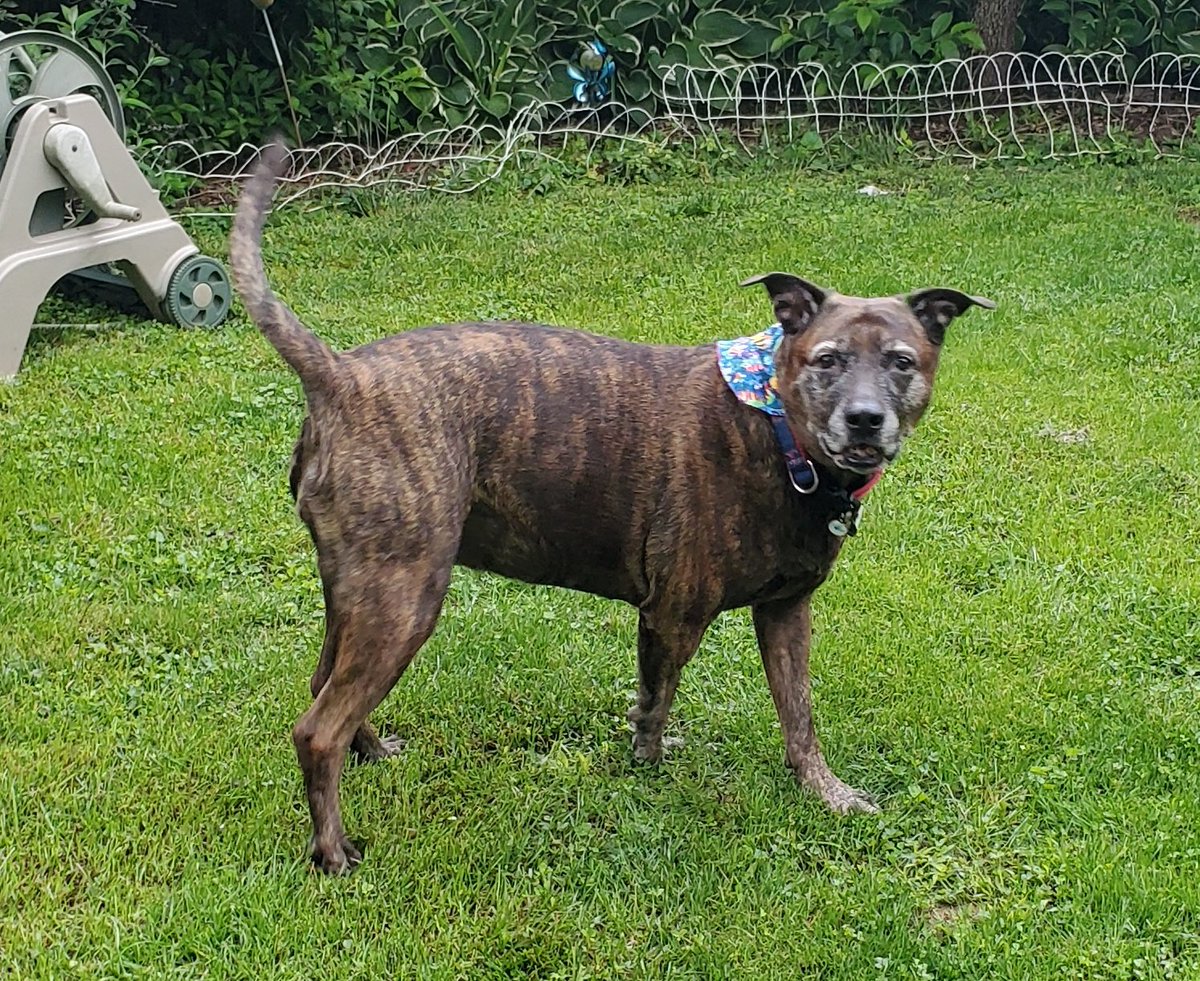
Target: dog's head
(855, 374)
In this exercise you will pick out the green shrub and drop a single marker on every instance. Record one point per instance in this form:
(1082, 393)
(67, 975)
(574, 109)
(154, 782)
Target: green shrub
(1142, 27)
(372, 69)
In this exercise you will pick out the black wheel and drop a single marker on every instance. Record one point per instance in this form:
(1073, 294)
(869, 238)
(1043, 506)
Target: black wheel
(198, 294)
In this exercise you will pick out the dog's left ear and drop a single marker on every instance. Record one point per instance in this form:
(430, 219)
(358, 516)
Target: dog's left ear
(796, 301)
(935, 308)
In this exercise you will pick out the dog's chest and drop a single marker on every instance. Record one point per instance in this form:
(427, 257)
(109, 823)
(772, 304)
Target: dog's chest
(783, 560)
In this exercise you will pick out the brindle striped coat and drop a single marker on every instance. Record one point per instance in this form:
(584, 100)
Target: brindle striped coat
(561, 457)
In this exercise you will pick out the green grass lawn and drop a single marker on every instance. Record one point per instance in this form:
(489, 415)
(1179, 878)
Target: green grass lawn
(1007, 656)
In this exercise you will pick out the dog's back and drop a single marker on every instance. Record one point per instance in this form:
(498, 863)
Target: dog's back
(551, 448)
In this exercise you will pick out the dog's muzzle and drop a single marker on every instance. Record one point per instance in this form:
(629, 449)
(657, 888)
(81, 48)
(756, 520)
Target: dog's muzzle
(862, 436)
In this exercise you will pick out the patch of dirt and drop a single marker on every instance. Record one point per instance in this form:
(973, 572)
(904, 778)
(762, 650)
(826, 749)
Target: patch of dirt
(1190, 215)
(948, 917)
(1068, 437)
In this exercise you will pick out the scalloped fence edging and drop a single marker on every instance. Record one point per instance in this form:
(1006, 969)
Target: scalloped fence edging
(972, 109)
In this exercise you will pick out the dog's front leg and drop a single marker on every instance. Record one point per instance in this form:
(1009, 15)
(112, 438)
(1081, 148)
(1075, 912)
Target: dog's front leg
(784, 632)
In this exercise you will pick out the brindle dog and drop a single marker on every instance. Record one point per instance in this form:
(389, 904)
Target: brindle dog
(557, 456)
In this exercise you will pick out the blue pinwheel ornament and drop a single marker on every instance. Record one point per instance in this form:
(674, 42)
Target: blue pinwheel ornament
(594, 76)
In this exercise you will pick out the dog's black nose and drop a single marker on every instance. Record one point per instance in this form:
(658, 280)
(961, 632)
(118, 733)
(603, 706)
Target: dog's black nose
(865, 417)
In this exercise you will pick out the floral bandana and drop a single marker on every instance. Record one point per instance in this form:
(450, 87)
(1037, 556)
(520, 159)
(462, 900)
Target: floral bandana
(748, 365)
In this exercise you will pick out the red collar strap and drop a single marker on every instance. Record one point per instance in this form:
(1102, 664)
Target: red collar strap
(843, 505)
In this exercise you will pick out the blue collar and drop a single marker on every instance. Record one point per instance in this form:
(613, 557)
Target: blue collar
(801, 472)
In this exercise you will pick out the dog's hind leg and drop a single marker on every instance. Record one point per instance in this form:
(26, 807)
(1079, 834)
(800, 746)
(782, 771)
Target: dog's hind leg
(664, 646)
(366, 745)
(384, 615)
(784, 632)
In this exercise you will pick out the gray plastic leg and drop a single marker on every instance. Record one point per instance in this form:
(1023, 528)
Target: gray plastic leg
(19, 310)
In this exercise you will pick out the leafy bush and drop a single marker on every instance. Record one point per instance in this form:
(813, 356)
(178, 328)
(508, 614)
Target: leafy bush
(1142, 27)
(371, 69)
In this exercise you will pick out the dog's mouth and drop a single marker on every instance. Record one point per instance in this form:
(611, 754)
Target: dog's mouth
(860, 458)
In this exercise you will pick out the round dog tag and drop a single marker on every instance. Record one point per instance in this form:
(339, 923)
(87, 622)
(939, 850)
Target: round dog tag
(838, 527)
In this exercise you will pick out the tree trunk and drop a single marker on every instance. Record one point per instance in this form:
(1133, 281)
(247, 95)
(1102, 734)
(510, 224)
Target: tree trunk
(997, 23)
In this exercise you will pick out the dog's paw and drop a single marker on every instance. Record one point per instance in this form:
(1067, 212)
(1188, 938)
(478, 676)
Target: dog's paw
(648, 750)
(369, 748)
(383, 749)
(843, 799)
(839, 797)
(391, 746)
(335, 858)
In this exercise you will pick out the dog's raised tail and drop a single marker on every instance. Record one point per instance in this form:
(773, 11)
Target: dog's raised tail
(308, 355)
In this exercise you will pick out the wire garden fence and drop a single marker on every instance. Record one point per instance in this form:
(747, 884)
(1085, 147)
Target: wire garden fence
(1010, 106)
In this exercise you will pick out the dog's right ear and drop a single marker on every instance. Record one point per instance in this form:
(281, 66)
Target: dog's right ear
(796, 301)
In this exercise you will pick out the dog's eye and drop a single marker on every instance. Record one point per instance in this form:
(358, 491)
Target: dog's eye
(826, 360)
(902, 362)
